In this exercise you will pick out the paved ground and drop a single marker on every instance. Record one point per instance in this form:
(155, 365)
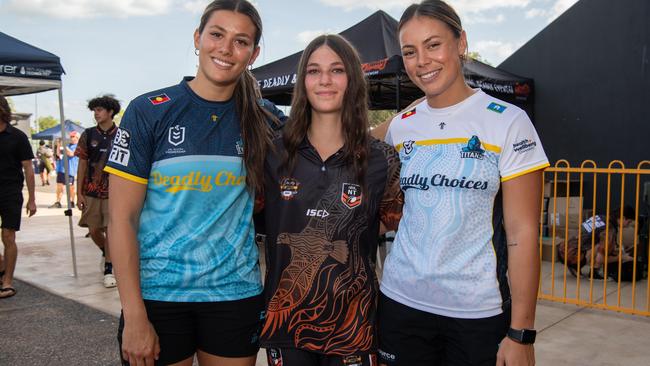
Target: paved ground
(38, 327)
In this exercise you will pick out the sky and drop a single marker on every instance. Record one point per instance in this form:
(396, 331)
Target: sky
(129, 47)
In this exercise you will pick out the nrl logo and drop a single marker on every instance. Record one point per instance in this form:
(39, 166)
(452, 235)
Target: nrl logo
(176, 135)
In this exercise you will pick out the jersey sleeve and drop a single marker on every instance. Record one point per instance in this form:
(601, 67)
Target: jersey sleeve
(390, 207)
(522, 150)
(81, 151)
(25, 150)
(132, 152)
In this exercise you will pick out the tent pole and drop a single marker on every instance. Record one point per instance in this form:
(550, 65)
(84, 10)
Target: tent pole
(66, 167)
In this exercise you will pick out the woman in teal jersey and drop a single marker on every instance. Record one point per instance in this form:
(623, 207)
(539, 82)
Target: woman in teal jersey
(459, 286)
(183, 166)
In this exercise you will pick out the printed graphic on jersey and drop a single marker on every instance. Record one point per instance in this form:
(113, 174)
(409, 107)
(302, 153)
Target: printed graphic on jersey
(408, 146)
(176, 135)
(325, 283)
(351, 195)
(409, 113)
(122, 138)
(524, 145)
(354, 360)
(119, 155)
(289, 188)
(276, 356)
(473, 149)
(211, 190)
(159, 99)
(239, 145)
(496, 107)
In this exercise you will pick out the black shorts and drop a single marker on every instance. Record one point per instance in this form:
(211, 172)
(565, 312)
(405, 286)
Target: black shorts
(413, 337)
(226, 329)
(299, 357)
(60, 178)
(10, 211)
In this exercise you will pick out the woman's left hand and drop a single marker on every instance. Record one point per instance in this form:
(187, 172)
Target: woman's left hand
(512, 353)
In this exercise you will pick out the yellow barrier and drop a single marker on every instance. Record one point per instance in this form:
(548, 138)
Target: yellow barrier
(562, 232)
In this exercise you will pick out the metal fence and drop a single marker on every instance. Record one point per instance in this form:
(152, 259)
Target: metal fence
(575, 257)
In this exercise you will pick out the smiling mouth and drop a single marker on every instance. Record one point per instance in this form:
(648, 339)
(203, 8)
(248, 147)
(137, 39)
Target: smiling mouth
(325, 93)
(429, 75)
(222, 62)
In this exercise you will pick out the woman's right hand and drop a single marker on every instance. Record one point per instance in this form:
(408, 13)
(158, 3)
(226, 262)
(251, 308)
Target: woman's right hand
(140, 346)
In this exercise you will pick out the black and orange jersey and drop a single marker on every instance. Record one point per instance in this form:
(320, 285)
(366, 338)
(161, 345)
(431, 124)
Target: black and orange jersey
(322, 227)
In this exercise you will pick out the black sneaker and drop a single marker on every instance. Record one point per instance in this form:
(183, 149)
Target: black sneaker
(56, 205)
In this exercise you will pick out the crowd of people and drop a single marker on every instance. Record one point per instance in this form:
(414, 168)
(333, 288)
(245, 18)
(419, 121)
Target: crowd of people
(192, 164)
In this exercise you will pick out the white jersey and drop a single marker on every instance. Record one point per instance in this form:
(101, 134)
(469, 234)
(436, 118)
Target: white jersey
(449, 256)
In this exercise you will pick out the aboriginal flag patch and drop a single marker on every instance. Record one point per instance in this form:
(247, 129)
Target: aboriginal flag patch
(159, 99)
(408, 114)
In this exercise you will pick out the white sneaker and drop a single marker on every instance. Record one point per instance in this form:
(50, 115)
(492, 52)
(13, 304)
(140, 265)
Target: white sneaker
(109, 280)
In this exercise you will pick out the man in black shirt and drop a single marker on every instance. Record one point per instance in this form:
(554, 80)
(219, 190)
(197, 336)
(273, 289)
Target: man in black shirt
(15, 156)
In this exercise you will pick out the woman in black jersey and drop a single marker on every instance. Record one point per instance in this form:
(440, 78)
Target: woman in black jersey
(327, 187)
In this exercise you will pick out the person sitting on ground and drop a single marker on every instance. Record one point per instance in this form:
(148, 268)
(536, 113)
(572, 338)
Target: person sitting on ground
(605, 245)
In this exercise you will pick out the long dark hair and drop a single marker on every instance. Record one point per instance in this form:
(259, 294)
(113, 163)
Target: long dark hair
(256, 133)
(5, 111)
(354, 115)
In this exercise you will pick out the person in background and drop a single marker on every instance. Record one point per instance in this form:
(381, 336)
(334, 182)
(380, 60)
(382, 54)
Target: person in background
(73, 163)
(92, 196)
(44, 154)
(15, 158)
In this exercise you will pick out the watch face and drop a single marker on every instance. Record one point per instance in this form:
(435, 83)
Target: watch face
(528, 336)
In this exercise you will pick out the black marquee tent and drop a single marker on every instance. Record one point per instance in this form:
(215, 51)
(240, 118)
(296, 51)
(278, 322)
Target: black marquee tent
(377, 42)
(25, 69)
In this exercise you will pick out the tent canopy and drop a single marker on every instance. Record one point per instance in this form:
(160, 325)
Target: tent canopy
(376, 40)
(55, 132)
(26, 69)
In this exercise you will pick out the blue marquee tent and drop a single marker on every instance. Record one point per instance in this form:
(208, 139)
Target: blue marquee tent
(25, 69)
(55, 132)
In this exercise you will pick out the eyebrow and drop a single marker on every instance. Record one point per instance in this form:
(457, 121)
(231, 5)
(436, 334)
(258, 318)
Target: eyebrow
(222, 29)
(423, 42)
(337, 63)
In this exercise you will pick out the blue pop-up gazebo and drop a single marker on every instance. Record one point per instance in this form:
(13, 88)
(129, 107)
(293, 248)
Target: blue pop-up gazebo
(25, 69)
(55, 132)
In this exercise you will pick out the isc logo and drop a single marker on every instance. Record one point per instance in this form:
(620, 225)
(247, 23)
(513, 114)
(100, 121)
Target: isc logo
(312, 212)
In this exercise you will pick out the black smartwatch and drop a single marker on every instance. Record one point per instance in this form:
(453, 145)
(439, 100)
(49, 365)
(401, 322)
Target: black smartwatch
(523, 336)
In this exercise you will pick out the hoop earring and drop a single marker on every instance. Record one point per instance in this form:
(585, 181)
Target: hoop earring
(196, 51)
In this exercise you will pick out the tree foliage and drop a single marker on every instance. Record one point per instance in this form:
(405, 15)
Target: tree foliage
(46, 122)
(379, 116)
(477, 56)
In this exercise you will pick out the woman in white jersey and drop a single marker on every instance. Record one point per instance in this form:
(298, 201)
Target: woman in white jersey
(460, 284)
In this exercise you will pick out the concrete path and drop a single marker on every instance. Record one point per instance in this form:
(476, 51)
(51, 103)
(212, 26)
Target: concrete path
(568, 335)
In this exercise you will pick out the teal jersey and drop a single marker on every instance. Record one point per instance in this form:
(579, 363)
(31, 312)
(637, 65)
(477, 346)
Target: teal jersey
(196, 234)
